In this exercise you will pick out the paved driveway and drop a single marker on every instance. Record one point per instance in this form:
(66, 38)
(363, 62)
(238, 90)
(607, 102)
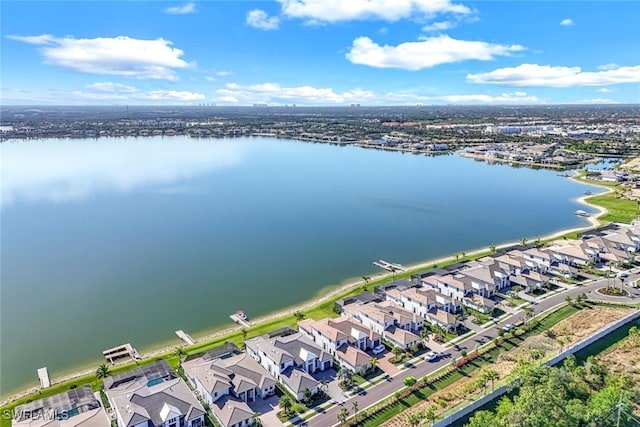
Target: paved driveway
(268, 409)
(333, 389)
(385, 364)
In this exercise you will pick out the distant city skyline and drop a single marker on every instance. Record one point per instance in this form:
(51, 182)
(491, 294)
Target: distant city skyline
(319, 52)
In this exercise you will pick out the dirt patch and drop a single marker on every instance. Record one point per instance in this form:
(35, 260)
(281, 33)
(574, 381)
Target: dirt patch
(570, 330)
(623, 359)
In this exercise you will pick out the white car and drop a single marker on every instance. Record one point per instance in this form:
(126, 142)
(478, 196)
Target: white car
(508, 327)
(431, 356)
(377, 350)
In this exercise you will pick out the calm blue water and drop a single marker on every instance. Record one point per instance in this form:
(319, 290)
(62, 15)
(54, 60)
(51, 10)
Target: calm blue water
(127, 240)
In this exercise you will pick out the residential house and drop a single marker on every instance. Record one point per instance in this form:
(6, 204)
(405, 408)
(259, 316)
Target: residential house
(290, 360)
(401, 337)
(153, 396)
(479, 303)
(78, 407)
(226, 384)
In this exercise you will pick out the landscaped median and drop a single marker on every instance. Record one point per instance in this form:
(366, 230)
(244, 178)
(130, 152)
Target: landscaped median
(436, 394)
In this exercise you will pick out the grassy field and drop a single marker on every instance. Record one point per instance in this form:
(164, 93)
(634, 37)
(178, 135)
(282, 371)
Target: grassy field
(620, 210)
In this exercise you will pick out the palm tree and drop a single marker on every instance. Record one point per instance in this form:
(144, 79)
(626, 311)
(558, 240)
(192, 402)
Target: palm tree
(306, 393)
(463, 353)
(343, 415)
(528, 313)
(492, 248)
(298, 315)
(568, 299)
(354, 405)
(373, 362)
(103, 371)
(424, 335)
(397, 351)
(285, 404)
(430, 414)
(257, 422)
(491, 375)
(180, 351)
(414, 418)
(463, 254)
(523, 241)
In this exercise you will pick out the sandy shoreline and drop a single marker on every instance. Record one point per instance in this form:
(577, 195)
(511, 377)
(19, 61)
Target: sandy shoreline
(593, 220)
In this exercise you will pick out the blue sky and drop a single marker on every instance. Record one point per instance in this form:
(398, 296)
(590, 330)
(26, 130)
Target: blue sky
(320, 52)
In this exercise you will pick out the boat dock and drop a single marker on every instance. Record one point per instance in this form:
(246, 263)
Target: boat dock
(240, 319)
(389, 266)
(185, 337)
(123, 350)
(43, 375)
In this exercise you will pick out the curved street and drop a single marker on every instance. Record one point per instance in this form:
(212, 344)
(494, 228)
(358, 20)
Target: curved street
(378, 392)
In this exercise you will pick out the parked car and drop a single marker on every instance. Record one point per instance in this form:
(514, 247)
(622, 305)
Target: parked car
(378, 349)
(508, 327)
(431, 356)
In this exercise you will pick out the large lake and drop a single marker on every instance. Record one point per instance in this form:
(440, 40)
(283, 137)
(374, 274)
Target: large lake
(127, 240)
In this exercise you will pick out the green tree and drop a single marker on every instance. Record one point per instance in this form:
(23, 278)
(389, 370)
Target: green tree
(355, 408)
(298, 315)
(568, 300)
(257, 422)
(523, 241)
(343, 415)
(103, 371)
(491, 375)
(492, 248)
(409, 381)
(482, 419)
(414, 418)
(285, 404)
(430, 414)
(180, 352)
(464, 353)
(397, 351)
(373, 362)
(307, 395)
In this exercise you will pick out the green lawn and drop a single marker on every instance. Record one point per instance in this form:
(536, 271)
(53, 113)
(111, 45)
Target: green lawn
(620, 210)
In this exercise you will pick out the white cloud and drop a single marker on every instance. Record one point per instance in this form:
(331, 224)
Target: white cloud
(347, 10)
(116, 92)
(185, 9)
(567, 22)
(440, 26)
(505, 98)
(224, 73)
(597, 101)
(607, 67)
(121, 56)
(426, 53)
(273, 93)
(604, 90)
(534, 75)
(209, 78)
(260, 19)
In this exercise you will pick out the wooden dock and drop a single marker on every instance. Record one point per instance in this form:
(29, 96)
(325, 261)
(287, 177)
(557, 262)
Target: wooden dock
(389, 266)
(239, 320)
(185, 337)
(123, 350)
(43, 375)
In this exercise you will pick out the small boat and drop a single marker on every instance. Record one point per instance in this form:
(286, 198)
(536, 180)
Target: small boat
(241, 315)
(588, 193)
(582, 213)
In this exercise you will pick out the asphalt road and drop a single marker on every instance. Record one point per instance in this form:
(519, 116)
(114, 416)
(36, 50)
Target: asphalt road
(386, 388)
